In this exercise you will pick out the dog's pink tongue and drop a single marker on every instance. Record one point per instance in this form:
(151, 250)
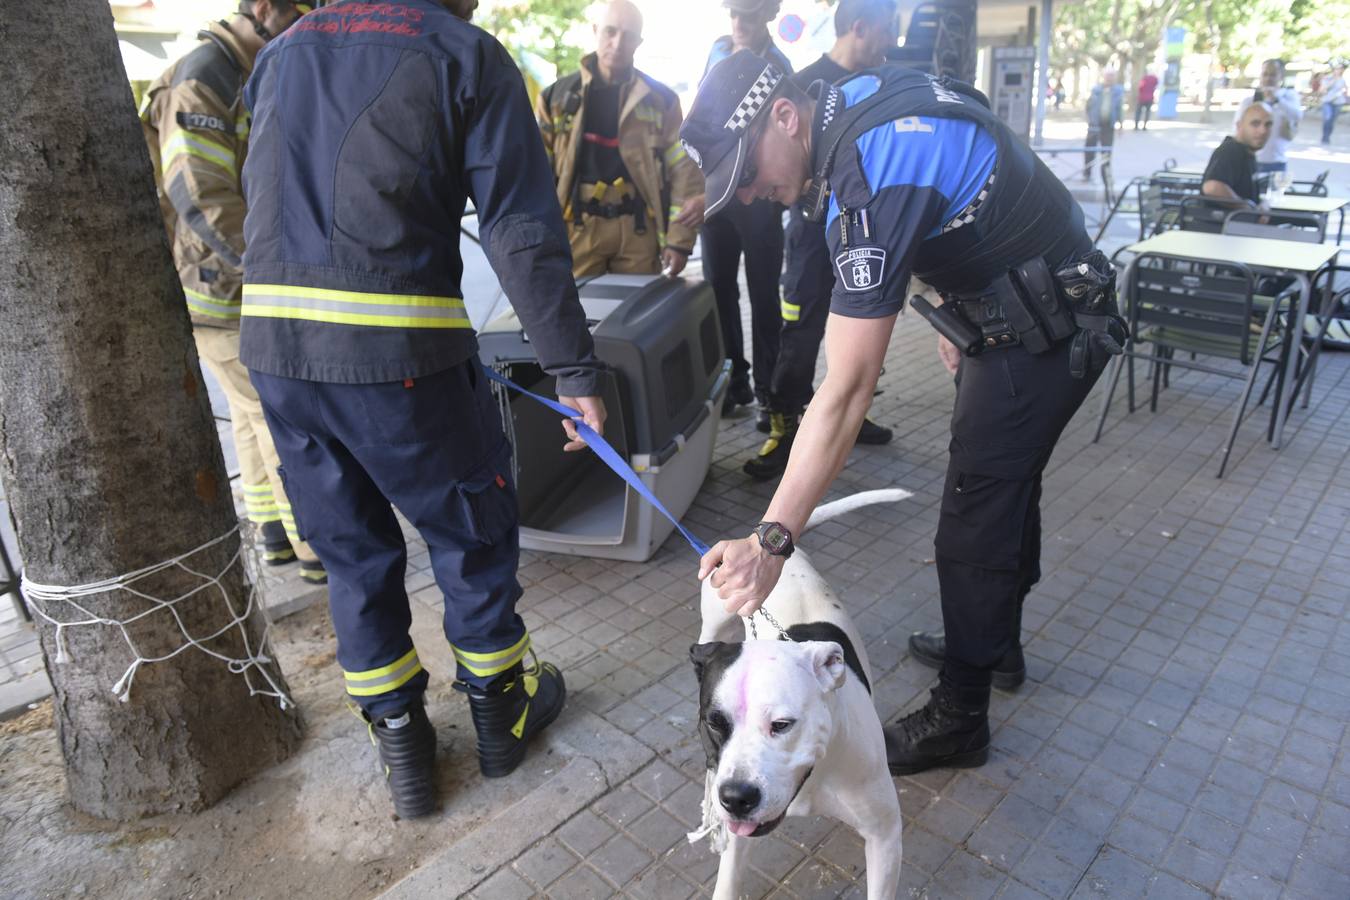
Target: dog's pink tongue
(742, 829)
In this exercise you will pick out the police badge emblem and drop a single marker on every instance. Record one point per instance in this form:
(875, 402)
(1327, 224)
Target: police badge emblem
(861, 268)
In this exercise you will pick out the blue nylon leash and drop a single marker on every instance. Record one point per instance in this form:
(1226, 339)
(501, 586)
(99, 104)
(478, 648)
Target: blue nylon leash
(608, 455)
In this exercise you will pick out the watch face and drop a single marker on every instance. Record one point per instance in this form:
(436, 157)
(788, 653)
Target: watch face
(775, 538)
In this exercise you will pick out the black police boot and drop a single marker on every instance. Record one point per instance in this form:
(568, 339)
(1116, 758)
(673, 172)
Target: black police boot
(407, 745)
(773, 454)
(950, 731)
(277, 549)
(872, 433)
(313, 571)
(514, 707)
(930, 648)
(738, 394)
(763, 421)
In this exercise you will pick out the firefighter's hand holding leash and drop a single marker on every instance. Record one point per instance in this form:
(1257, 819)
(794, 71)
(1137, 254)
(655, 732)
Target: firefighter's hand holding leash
(592, 411)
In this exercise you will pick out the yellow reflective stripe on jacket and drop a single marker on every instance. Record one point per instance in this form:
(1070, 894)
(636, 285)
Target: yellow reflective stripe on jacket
(674, 153)
(791, 312)
(195, 145)
(484, 664)
(384, 679)
(216, 308)
(282, 301)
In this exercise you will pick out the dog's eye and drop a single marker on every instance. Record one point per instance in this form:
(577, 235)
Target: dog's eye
(778, 726)
(717, 722)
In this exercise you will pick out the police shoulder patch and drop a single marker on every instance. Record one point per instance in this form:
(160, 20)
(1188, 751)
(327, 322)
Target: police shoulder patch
(861, 268)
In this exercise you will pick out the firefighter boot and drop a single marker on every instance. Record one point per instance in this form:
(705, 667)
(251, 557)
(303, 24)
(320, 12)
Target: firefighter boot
(313, 571)
(930, 648)
(951, 730)
(514, 707)
(277, 549)
(773, 454)
(407, 745)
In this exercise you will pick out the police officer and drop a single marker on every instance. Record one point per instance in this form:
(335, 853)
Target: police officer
(371, 124)
(631, 196)
(755, 230)
(916, 176)
(196, 126)
(863, 31)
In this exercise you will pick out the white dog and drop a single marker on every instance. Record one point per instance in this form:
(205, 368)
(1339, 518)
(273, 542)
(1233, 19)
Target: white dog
(789, 727)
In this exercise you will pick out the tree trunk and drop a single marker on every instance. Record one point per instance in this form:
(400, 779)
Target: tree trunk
(107, 446)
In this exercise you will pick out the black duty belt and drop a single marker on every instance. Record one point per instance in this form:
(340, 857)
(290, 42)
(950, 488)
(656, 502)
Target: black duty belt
(987, 314)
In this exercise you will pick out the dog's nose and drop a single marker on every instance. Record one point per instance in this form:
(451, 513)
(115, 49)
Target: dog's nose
(738, 798)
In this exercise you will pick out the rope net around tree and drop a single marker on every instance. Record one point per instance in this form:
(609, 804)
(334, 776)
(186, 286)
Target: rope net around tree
(43, 598)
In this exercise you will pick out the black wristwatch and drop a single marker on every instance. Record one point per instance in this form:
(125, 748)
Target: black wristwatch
(775, 539)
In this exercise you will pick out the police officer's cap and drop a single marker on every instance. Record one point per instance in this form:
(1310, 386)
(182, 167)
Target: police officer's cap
(716, 133)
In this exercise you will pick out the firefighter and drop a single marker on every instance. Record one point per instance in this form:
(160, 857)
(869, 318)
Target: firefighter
(373, 124)
(197, 129)
(631, 197)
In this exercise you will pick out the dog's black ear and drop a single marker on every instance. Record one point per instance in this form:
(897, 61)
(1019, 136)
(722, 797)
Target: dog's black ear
(701, 654)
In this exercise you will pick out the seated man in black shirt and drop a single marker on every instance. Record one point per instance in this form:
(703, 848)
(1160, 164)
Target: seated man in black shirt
(1231, 173)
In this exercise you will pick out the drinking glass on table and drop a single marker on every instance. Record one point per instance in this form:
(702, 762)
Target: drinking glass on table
(1279, 183)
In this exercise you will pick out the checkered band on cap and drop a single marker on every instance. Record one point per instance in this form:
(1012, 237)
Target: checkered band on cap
(831, 97)
(754, 99)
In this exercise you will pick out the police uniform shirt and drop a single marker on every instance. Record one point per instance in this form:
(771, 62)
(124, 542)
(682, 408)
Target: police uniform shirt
(600, 160)
(924, 176)
(1234, 163)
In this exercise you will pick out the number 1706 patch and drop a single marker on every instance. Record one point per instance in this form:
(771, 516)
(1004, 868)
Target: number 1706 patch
(861, 269)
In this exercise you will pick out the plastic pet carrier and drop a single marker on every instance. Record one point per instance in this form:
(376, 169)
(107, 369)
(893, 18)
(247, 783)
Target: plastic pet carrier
(663, 395)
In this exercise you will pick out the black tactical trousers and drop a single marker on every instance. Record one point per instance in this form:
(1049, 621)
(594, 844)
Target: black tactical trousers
(1010, 410)
(757, 231)
(808, 279)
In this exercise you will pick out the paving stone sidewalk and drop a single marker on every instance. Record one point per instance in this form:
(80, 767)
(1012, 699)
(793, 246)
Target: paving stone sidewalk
(1183, 730)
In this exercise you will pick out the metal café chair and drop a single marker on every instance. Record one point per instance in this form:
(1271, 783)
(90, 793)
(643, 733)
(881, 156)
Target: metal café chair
(1204, 309)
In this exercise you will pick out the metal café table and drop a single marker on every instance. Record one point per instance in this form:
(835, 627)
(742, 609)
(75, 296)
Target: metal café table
(1320, 206)
(1294, 259)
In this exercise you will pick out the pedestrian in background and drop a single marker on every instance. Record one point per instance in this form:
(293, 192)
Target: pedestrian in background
(1333, 98)
(1286, 111)
(1103, 114)
(1143, 100)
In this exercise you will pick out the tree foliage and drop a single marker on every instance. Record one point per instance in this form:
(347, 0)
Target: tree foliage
(1236, 32)
(553, 30)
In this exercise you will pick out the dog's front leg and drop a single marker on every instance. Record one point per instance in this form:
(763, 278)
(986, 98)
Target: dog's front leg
(883, 850)
(730, 868)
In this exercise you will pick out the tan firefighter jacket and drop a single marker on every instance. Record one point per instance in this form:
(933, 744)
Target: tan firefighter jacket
(649, 144)
(196, 125)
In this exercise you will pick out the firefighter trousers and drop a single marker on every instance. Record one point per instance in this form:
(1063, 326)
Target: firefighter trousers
(264, 496)
(613, 244)
(434, 449)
